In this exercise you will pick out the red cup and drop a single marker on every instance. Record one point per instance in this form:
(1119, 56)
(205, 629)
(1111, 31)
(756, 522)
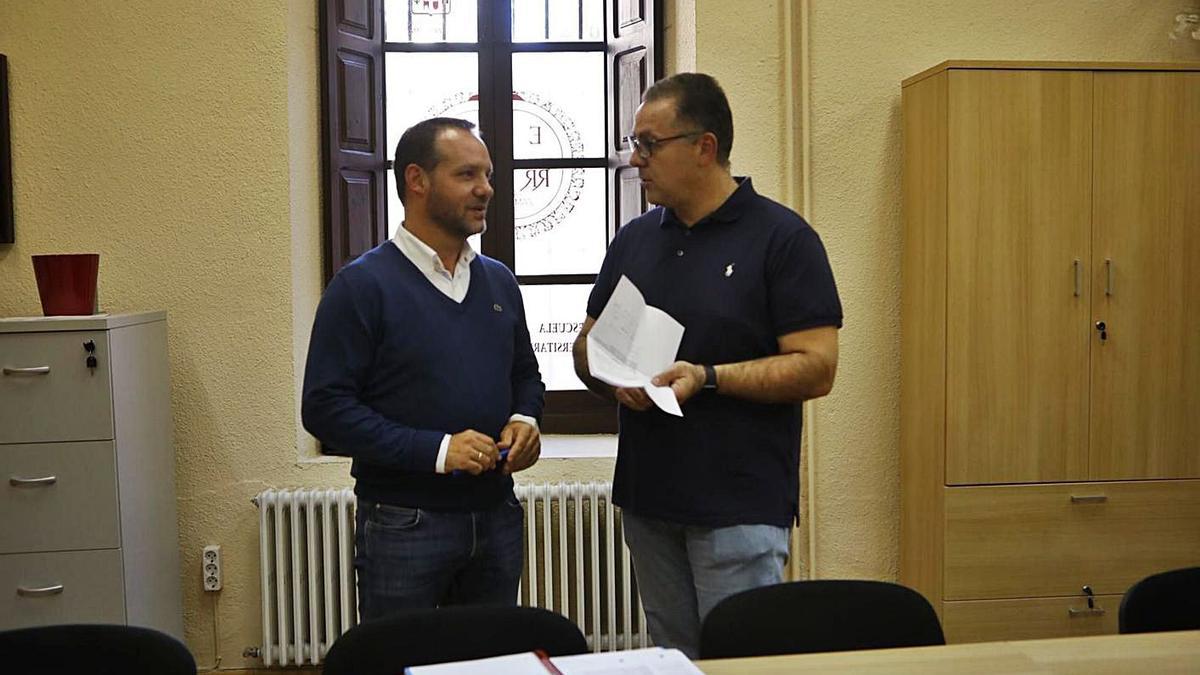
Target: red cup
(67, 283)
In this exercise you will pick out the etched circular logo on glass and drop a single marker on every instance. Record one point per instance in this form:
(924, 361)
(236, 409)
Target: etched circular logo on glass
(542, 198)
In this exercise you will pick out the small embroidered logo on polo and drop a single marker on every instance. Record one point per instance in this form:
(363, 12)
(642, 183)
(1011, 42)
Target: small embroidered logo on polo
(498, 308)
(729, 269)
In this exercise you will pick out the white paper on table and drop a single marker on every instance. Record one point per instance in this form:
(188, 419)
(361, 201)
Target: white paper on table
(631, 342)
(651, 661)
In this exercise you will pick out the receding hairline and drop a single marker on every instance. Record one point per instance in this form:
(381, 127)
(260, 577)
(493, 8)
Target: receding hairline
(670, 101)
(441, 134)
(439, 156)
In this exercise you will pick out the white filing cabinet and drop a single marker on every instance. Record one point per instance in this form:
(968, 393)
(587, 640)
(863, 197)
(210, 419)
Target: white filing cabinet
(87, 473)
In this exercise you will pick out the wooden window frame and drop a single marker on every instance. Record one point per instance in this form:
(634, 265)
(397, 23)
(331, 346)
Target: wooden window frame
(356, 159)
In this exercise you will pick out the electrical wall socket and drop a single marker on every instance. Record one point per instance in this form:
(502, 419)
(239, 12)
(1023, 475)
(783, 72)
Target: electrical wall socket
(210, 568)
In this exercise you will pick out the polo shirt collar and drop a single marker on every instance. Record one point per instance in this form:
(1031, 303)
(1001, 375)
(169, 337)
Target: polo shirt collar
(727, 212)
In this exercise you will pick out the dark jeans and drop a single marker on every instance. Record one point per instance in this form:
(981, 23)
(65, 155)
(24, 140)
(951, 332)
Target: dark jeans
(409, 558)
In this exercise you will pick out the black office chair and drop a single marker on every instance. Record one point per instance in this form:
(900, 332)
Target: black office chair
(818, 616)
(1161, 602)
(418, 637)
(95, 649)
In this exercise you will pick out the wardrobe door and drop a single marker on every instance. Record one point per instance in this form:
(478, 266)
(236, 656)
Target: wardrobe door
(1019, 219)
(1145, 419)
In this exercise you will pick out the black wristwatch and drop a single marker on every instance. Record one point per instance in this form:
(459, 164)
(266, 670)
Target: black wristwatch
(710, 378)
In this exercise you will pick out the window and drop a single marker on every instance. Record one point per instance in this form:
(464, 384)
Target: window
(553, 85)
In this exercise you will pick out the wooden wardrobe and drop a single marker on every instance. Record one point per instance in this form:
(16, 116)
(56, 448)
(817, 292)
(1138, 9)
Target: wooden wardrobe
(1050, 397)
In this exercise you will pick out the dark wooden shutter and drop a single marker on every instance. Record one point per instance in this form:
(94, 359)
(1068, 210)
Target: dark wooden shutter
(634, 64)
(355, 156)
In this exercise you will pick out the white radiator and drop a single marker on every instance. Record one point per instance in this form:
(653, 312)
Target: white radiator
(306, 556)
(572, 566)
(577, 564)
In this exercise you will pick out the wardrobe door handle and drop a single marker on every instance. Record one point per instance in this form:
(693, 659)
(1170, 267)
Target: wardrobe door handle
(44, 481)
(1077, 279)
(36, 370)
(1108, 276)
(39, 592)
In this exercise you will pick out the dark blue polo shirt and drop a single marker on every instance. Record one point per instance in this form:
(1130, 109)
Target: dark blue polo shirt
(749, 272)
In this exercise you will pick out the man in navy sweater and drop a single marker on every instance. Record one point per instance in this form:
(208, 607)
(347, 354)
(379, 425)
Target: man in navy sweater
(708, 498)
(420, 368)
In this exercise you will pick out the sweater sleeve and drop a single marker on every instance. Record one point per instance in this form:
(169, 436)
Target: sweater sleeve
(343, 344)
(528, 391)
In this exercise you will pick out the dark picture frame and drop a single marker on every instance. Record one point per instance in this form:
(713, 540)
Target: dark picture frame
(6, 188)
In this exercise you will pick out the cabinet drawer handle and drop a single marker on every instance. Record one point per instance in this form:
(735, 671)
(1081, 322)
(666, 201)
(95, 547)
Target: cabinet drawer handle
(32, 482)
(39, 592)
(1074, 612)
(1088, 499)
(36, 370)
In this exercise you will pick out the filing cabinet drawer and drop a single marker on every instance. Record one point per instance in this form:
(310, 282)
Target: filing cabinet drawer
(47, 390)
(1023, 541)
(58, 496)
(1029, 619)
(38, 589)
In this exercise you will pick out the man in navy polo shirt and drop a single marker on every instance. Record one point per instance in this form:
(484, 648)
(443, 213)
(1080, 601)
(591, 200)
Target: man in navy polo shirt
(421, 369)
(708, 499)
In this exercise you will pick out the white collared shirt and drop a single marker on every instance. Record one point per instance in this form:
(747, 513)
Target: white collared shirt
(453, 286)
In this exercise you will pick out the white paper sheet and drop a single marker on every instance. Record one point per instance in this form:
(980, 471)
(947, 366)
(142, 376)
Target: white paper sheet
(652, 661)
(631, 342)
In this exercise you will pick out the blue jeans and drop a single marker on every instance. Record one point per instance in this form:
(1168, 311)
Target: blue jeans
(683, 571)
(409, 558)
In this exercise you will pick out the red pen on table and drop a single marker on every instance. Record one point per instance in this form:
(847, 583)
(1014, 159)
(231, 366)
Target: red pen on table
(545, 659)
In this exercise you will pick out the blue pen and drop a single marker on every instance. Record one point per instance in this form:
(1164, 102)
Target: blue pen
(503, 457)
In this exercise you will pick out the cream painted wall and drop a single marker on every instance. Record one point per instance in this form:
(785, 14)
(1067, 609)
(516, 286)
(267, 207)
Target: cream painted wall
(179, 140)
(679, 37)
(750, 47)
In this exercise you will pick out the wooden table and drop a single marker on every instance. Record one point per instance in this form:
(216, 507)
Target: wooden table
(1142, 654)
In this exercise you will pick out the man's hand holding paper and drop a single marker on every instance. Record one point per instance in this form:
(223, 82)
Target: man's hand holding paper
(631, 342)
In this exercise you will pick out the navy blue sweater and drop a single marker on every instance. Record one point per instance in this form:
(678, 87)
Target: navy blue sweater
(394, 365)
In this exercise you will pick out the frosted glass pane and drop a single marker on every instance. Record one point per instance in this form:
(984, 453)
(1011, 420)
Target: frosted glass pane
(568, 20)
(555, 314)
(529, 20)
(420, 86)
(431, 20)
(560, 111)
(560, 221)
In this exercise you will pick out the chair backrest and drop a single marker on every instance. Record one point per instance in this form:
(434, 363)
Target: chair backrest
(1161, 602)
(819, 616)
(96, 649)
(418, 637)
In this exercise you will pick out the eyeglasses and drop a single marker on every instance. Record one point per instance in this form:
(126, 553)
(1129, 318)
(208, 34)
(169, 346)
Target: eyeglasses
(645, 147)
